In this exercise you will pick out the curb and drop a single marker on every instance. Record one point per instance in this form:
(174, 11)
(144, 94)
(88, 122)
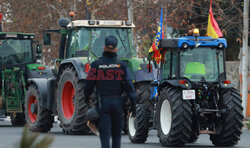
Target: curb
(244, 124)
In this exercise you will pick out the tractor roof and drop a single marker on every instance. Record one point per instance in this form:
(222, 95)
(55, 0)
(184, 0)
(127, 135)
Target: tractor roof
(16, 35)
(102, 23)
(190, 41)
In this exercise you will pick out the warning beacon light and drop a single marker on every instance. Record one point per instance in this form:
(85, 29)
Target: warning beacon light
(72, 14)
(196, 32)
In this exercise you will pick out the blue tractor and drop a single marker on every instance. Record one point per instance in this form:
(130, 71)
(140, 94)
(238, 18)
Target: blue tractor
(192, 96)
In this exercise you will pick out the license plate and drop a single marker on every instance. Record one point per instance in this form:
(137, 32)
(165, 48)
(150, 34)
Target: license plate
(188, 94)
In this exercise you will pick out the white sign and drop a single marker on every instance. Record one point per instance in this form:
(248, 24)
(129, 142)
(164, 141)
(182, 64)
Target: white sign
(188, 94)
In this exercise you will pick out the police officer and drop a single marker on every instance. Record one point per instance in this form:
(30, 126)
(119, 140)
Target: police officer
(110, 77)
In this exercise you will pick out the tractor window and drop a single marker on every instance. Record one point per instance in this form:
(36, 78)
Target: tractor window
(72, 45)
(78, 40)
(201, 64)
(15, 51)
(174, 63)
(124, 44)
(166, 65)
(221, 63)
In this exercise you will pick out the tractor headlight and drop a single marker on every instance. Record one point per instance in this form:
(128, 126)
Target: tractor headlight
(221, 45)
(184, 45)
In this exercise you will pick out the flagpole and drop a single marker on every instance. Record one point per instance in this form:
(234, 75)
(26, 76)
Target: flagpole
(245, 56)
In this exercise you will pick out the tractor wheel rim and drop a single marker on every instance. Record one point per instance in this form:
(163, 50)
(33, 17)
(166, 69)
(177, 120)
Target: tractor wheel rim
(131, 125)
(68, 95)
(32, 116)
(165, 117)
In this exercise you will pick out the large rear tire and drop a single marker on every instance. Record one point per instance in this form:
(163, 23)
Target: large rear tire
(194, 135)
(70, 103)
(143, 97)
(173, 118)
(19, 120)
(143, 94)
(229, 128)
(37, 118)
(138, 126)
(125, 120)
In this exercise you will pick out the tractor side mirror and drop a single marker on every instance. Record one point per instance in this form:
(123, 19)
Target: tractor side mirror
(46, 39)
(145, 59)
(38, 51)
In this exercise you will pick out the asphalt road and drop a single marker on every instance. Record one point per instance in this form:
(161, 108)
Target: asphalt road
(10, 136)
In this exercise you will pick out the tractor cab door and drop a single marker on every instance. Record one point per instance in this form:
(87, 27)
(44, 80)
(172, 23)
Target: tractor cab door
(78, 43)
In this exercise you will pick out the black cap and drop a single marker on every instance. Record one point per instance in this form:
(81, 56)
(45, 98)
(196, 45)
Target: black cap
(111, 42)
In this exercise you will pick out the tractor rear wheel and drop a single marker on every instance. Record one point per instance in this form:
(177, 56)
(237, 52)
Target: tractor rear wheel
(125, 121)
(70, 103)
(195, 131)
(230, 127)
(37, 118)
(143, 94)
(143, 97)
(173, 118)
(19, 120)
(138, 126)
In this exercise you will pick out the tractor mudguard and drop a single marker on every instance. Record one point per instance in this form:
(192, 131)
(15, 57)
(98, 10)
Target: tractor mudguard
(177, 83)
(46, 73)
(78, 65)
(141, 75)
(46, 90)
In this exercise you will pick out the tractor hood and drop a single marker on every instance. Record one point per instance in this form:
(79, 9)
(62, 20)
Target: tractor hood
(137, 67)
(139, 71)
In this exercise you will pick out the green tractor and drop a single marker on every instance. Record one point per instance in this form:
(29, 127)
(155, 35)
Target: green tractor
(17, 65)
(192, 96)
(81, 43)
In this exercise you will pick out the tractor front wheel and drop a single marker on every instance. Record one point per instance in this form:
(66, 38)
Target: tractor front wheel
(70, 103)
(173, 118)
(37, 118)
(138, 126)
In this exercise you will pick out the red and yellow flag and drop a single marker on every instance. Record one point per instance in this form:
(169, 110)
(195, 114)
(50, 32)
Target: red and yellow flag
(213, 29)
(159, 36)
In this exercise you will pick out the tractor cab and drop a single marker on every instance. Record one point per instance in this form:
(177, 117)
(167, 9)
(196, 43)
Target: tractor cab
(87, 38)
(83, 41)
(16, 49)
(198, 59)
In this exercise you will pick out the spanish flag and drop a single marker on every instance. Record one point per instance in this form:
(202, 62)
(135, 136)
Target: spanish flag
(154, 47)
(213, 29)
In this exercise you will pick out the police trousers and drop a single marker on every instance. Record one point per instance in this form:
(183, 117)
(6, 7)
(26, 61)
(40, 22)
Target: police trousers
(111, 121)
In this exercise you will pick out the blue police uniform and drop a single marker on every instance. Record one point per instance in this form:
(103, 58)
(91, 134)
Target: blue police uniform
(110, 77)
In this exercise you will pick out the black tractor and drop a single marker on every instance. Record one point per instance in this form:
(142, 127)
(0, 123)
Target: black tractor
(192, 96)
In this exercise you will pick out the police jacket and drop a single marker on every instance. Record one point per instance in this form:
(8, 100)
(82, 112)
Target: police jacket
(110, 76)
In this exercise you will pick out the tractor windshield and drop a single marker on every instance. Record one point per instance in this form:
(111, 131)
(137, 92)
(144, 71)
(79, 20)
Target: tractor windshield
(125, 41)
(202, 64)
(15, 51)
